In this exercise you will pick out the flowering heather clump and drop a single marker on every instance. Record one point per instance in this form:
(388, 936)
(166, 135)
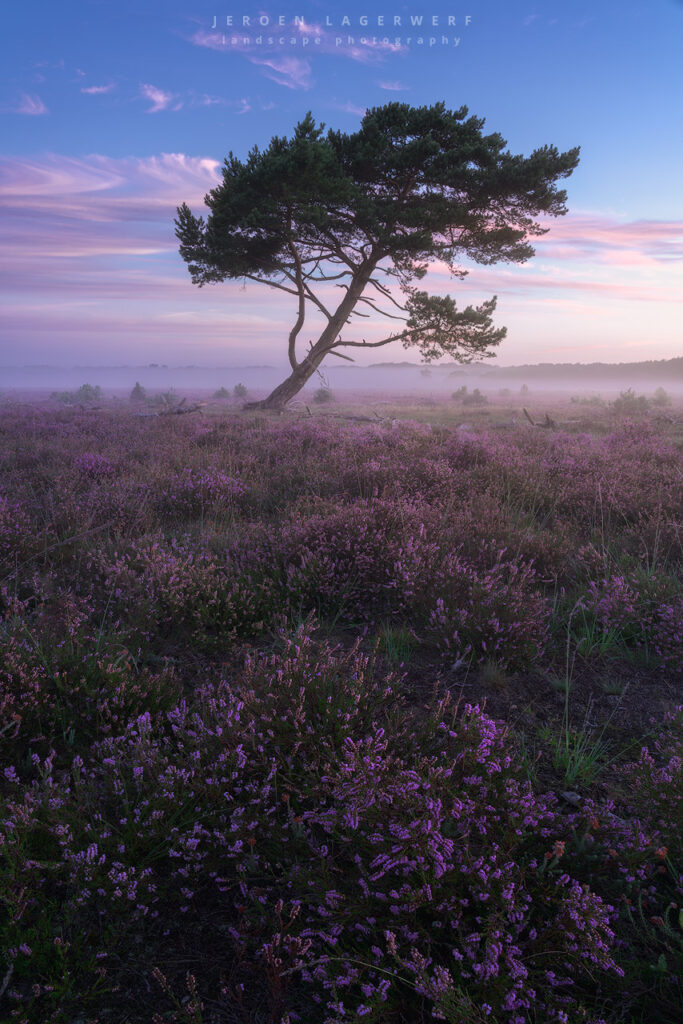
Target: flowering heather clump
(194, 490)
(421, 845)
(94, 466)
(285, 831)
(654, 782)
(170, 588)
(495, 614)
(646, 610)
(15, 531)
(62, 683)
(360, 561)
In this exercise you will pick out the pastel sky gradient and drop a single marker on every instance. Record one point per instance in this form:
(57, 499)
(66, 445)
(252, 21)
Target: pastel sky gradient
(113, 112)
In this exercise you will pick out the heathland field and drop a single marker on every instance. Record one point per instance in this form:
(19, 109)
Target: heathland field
(365, 712)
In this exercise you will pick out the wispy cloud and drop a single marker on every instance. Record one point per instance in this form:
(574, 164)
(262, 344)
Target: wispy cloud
(600, 237)
(211, 101)
(350, 108)
(81, 235)
(394, 86)
(98, 90)
(292, 72)
(313, 39)
(159, 99)
(97, 189)
(31, 105)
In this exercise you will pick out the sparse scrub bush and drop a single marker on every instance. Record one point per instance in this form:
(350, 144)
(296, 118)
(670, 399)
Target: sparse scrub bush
(476, 398)
(593, 400)
(322, 396)
(240, 391)
(661, 399)
(165, 399)
(630, 404)
(86, 393)
(138, 394)
(65, 397)
(221, 393)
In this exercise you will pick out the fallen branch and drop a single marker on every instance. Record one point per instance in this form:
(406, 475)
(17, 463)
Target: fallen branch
(546, 423)
(181, 409)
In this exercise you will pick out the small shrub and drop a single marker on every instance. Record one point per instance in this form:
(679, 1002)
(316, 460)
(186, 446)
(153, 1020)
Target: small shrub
(240, 391)
(476, 398)
(661, 399)
(594, 400)
(460, 394)
(138, 394)
(166, 398)
(630, 404)
(88, 393)
(221, 393)
(322, 396)
(65, 397)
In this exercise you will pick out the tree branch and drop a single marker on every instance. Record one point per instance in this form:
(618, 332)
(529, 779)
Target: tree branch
(374, 344)
(301, 316)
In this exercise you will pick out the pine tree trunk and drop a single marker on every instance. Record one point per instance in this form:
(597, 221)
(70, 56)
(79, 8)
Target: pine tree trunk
(290, 387)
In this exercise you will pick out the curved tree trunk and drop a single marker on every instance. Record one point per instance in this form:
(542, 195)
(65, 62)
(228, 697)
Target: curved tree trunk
(290, 387)
(284, 392)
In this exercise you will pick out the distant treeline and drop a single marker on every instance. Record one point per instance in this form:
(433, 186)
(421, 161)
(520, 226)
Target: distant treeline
(654, 370)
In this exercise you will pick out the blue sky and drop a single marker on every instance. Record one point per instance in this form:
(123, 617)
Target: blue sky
(111, 114)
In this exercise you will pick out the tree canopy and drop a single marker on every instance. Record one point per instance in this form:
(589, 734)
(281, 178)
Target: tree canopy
(370, 211)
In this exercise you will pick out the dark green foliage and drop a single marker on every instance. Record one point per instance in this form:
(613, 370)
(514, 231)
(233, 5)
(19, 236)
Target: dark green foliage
(239, 390)
(372, 210)
(138, 394)
(322, 395)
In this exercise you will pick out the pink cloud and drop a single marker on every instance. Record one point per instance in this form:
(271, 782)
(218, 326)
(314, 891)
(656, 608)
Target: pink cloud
(88, 245)
(31, 105)
(158, 98)
(99, 188)
(522, 281)
(596, 235)
(98, 90)
(394, 86)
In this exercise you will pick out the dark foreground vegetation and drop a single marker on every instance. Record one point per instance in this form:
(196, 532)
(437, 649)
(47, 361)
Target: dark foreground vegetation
(308, 720)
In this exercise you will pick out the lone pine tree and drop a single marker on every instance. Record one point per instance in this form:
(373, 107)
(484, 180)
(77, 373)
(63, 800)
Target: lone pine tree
(367, 213)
